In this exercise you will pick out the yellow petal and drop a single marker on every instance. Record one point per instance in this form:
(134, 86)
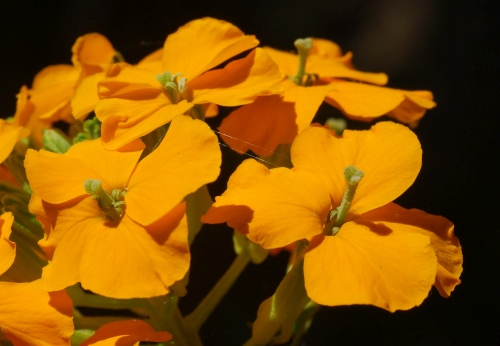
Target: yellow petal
(92, 53)
(441, 233)
(325, 48)
(287, 62)
(25, 117)
(9, 135)
(342, 68)
(271, 207)
(202, 44)
(187, 158)
(369, 101)
(7, 247)
(238, 83)
(389, 154)
(373, 265)
(129, 82)
(125, 333)
(32, 316)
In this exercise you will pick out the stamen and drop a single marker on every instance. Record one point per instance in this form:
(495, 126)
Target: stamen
(112, 205)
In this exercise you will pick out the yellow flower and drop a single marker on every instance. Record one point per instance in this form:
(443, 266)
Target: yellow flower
(113, 223)
(136, 100)
(363, 249)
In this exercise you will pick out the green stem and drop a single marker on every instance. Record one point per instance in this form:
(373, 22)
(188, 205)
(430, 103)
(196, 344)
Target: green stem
(212, 299)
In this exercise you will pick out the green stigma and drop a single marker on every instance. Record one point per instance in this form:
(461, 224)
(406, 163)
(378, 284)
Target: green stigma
(336, 218)
(304, 46)
(174, 84)
(112, 205)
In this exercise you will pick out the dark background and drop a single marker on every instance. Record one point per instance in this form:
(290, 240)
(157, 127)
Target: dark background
(448, 47)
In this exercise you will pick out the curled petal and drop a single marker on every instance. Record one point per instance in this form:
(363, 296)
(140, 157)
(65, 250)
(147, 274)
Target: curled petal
(92, 53)
(190, 157)
(202, 44)
(125, 333)
(7, 247)
(389, 154)
(32, 316)
(272, 207)
(370, 264)
(238, 83)
(441, 233)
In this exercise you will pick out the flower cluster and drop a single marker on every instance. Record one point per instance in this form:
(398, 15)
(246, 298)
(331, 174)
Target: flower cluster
(103, 215)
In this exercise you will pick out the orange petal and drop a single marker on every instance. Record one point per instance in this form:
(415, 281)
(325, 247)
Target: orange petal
(92, 53)
(272, 207)
(374, 265)
(187, 158)
(7, 247)
(56, 178)
(325, 49)
(369, 101)
(114, 167)
(32, 316)
(51, 92)
(440, 231)
(129, 82)
(389, 154)
(202, 44)
(260, 126)
(124, 121)
(25, 117)
(9, 135)
(125, 333)
(86, 97)
(238, 83)
(413, 108)
(115, 259)
(153, 61)
(287, 62)
(342, 68)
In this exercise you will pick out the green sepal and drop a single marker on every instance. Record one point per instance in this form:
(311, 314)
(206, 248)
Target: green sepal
(336, 124)
(80, 335)
(90, 129)
(277, 315)
(241, 243)
(56, 141)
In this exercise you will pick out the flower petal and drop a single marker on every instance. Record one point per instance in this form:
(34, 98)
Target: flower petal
(32, 316)
(202, 44)
(440, 231)
(125, 333)
(9, 135)
(187, 158)
(373, 265)
(325, 49)
(369, 101)
(7, 247)
(92, 53)
(271, 207)
(238, 83)
(389, 154)
(85, 96)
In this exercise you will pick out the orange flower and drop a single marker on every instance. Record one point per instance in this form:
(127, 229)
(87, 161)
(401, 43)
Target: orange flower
(372, 252)
(9, 135)
(28, 314)
(274, 120)
(125, 333)
(137, 100)
(131, 229)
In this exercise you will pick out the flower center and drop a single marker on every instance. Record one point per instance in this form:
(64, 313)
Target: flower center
(112, 204)
(336, 218)
(174, 84)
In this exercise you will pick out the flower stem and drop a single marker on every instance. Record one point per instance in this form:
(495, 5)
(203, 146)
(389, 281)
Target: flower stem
(212, 299)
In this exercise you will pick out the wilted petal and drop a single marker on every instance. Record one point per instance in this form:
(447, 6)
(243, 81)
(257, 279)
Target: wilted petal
(202, 44)
(372, 265)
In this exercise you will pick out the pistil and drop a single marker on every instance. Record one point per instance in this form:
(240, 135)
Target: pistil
(174, 85)
(112, 205)
(303, 46)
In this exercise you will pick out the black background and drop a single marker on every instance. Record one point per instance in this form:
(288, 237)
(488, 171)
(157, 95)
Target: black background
(447, 47)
